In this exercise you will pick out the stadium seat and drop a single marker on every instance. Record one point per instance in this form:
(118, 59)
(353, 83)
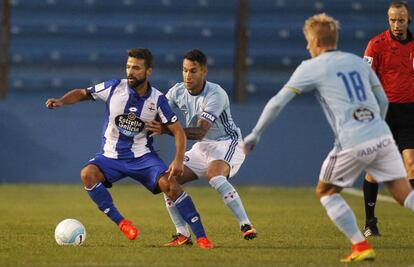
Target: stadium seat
(60, 44)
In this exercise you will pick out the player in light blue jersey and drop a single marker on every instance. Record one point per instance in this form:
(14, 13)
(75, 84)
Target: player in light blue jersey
(127, 145)
(218, 153)
(355, 105)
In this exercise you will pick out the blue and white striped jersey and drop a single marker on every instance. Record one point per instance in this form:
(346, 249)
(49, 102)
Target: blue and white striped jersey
(124, 135)
(343, 84)
(212, 104)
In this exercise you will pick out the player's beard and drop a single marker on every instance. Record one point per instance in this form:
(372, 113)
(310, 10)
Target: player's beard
(137, 82)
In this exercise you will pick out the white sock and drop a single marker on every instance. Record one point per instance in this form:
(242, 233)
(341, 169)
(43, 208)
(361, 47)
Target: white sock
(180, 224)
(230, 197)
(409, 201)
(343, 217)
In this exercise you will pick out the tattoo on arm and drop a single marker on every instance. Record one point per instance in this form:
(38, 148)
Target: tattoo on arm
(194, 133)
(198, 133)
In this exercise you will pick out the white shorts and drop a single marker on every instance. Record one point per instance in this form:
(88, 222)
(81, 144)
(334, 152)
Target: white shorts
(199, 157)
(378, 157)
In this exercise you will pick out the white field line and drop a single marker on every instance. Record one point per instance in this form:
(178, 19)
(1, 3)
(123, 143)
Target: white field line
(356, 192)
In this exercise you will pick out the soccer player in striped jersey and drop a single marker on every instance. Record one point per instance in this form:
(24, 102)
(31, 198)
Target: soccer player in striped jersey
(218, 153)
(355, 106)
(127, 146)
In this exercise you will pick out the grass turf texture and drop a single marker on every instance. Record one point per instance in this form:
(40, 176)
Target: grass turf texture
(293, 229)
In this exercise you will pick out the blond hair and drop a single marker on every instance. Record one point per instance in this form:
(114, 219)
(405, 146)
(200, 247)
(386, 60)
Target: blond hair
(324, 27)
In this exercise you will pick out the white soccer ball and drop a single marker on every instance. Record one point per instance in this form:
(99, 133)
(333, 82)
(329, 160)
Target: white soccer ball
(70, 232)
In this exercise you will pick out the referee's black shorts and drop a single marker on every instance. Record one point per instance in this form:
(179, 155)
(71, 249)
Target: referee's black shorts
(400, 118)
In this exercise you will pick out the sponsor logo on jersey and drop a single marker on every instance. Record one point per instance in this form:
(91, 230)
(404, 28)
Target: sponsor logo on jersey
(186, 158)
(372, 149)
(363, 114)
(368, 60)
(129, 124)
(133, 109)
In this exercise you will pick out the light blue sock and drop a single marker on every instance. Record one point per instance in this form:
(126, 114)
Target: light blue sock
(343, 217)
(177, 219)
(230, 197)
(100, 195)
(409, 201)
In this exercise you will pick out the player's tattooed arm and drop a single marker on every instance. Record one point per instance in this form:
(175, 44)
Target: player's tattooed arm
(198, 133)
(192, 133)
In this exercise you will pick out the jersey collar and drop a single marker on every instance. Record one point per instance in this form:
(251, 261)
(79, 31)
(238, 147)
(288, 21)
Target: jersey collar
(149, 91)
(199, 93)
(406, 41)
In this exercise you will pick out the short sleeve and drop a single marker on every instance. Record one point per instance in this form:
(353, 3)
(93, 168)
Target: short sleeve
(171, 96)
(165, 112)
(302, 79)
(101, 91)
(370, 56)
(215, 104)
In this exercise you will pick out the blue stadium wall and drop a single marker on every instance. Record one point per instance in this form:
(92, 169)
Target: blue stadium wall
(51, 146)
(56, 45)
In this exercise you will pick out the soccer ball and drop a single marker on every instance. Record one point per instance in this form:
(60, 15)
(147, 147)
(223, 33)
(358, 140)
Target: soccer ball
(70, 232)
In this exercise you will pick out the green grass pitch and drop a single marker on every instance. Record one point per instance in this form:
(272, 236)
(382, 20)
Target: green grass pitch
(293, 229)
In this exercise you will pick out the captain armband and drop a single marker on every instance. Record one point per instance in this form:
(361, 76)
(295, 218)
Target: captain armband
(208, 117)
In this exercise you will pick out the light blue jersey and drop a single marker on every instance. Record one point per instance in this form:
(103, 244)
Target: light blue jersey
(344, 86)
(212, 104)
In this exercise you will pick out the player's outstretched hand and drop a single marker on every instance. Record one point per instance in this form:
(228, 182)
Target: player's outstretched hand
(250, 142)
(52, 103)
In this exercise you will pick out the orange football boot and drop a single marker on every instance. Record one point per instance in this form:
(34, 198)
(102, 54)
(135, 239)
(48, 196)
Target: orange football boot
(204, 243)
(128, 229)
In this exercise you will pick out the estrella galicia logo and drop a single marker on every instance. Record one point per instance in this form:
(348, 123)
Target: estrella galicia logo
(363, 114)
(129, 124)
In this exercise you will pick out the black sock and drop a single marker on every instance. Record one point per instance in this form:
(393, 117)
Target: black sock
(370, 198)
(411, 182)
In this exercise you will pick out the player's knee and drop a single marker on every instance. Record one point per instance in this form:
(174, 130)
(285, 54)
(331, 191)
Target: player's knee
(322, 191)
(218, 167)
(369, 178)
(89, 176)
(172, 190)
(318, 192)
